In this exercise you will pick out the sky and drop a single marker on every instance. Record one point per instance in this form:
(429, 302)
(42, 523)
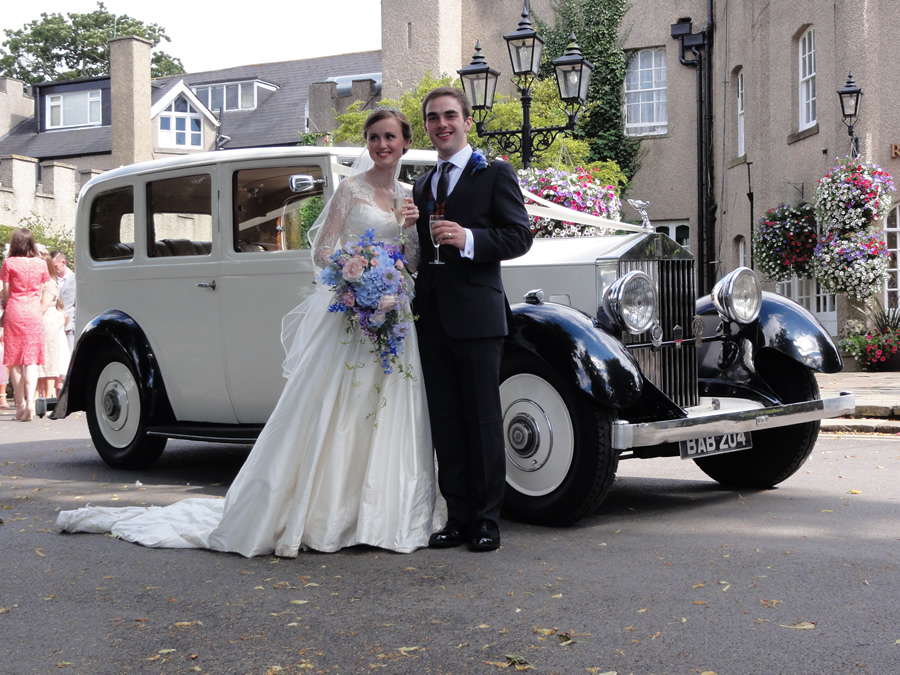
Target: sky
(254, 31)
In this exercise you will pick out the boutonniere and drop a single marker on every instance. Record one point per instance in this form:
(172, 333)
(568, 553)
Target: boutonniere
(479, 162)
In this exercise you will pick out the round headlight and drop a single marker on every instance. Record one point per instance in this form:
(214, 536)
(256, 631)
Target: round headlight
(631, 302)
(737, 296)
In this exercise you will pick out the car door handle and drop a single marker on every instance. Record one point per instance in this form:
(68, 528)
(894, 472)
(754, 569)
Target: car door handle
(210, 285)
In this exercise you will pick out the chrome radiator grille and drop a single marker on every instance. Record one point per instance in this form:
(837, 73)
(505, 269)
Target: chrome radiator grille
(672, 370)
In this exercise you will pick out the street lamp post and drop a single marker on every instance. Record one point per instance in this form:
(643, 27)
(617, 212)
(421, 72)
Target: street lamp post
(573, 75)
(849, 95)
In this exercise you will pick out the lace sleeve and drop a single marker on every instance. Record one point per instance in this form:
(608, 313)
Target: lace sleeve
(330, 225)
(412, 249)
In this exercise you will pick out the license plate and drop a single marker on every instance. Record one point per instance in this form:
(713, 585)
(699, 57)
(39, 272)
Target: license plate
(715, 445)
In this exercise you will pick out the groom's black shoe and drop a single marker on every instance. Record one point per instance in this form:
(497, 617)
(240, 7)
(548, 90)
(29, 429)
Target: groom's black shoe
(484, 536)
(452, 535)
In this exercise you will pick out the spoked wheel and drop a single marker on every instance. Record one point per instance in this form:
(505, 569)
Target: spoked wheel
(559, 460)
(118, 414)
(776, 453)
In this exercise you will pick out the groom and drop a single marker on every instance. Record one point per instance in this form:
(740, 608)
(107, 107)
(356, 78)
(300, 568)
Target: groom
(463, 317)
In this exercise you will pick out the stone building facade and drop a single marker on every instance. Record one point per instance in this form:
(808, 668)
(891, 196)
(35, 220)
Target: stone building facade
(785, 137)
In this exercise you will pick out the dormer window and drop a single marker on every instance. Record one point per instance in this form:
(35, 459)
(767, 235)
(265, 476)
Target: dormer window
(231, 96)
(180, 125)
(74, 109)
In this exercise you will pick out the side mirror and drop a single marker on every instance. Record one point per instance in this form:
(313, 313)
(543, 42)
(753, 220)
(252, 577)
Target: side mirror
(304, 183)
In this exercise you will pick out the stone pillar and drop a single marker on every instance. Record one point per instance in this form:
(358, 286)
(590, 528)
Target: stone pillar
(15, 106)
(18, 172)
(129, 69)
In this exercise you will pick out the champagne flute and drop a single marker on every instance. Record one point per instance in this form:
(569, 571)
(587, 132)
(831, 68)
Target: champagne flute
(432, 219)
(399, 203)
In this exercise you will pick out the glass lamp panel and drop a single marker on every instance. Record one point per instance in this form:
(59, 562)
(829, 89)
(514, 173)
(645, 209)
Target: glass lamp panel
(584, 82)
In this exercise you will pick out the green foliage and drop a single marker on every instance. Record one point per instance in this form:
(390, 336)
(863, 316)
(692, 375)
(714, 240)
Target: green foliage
(310, 210)
(312, 138)
(44, 233)
(350, 124)
(596, 25)
(57, 47)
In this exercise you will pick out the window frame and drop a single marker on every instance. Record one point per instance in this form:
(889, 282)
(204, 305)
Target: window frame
(171, 117)
(94, 108)
(658, 91)
(206, 92)
(741, 138)
(806, 83)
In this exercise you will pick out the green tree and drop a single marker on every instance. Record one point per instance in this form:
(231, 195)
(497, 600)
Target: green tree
(596, 24)
(57, 47)
(350, 124)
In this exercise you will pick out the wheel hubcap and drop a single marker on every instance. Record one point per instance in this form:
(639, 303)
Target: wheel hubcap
(117, 405)
(523, 435)
(115, 399)
(539, 435)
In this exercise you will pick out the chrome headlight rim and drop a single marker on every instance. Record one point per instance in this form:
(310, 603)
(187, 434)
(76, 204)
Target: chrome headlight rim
(725, 296)
(616, 307)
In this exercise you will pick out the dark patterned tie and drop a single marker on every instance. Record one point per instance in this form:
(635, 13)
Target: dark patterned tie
(443, 180)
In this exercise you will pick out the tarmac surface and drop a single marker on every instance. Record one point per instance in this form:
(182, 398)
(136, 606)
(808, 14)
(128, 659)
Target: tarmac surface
(877, 401)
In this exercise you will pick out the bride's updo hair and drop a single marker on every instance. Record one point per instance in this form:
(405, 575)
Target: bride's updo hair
(383, 113)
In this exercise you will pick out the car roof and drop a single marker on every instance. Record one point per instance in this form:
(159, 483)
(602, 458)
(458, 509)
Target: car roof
(241, 155)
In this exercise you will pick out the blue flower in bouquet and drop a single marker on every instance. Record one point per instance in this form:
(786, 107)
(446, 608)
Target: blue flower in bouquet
(371, 286)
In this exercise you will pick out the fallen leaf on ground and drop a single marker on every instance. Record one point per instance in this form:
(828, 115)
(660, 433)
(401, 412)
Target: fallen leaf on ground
(855, 492)
(800, 625)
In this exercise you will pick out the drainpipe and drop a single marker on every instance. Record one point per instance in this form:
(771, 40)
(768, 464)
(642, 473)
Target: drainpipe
(700, 46)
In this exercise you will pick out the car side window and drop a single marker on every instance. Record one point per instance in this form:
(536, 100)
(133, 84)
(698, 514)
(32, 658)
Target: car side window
(268, 216)
(111, 232)
(179, 216)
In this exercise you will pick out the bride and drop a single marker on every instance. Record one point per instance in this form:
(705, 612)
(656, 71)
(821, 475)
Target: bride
(346, 457)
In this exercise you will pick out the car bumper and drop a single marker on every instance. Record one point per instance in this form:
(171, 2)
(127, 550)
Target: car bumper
(626, 435)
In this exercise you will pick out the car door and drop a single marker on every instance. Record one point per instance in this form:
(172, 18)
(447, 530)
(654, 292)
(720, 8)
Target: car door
(266, 270)
(179, 303)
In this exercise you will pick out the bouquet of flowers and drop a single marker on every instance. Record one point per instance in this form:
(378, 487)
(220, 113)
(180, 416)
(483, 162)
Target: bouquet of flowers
(851, 262)
(784, 241)
(853, 195)
(576, 190)
(372, 287)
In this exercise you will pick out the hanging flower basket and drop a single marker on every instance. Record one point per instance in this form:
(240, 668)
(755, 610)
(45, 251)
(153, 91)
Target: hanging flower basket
(578, 190)
(853, 195)
(783, 242)
(854, 263)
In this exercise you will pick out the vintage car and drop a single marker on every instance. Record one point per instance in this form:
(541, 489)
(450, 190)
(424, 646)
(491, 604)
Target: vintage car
(185, 267)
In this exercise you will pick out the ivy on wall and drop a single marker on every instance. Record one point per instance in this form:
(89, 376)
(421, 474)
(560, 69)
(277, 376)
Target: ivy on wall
(596, 24)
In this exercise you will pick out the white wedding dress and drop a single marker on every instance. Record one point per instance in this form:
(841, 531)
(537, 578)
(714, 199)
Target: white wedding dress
(346, 457)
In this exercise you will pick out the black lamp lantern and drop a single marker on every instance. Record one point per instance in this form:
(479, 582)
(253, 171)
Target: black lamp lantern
(573, 75)
(525, 48)
(849, 95)
(479, 81)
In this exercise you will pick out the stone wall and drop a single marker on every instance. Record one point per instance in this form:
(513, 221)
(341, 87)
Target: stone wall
(54, 198)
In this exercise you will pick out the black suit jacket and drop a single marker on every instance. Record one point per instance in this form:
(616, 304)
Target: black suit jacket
(469, 293)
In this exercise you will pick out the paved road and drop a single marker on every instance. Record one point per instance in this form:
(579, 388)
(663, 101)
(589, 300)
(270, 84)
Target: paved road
(674, 576)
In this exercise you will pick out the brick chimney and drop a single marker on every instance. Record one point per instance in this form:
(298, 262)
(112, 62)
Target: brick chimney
(129, 70)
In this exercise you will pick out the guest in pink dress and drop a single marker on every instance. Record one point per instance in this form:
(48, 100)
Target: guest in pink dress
(23, 275)
(4, 374)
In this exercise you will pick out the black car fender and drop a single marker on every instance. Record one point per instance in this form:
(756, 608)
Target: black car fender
(112, 328)
(577, 347)
(730, 352)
